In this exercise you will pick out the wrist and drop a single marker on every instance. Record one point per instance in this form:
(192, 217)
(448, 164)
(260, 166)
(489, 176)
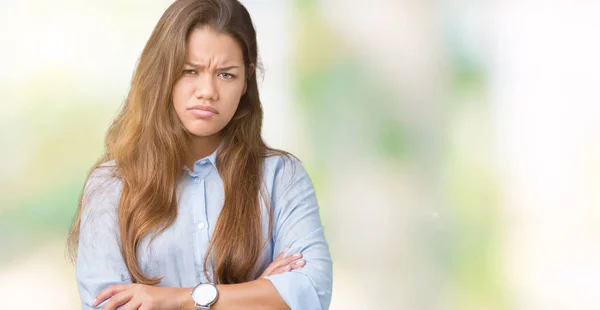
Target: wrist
(185, 299)
(221, 288)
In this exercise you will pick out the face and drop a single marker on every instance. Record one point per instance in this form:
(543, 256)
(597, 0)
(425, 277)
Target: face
(208, 92)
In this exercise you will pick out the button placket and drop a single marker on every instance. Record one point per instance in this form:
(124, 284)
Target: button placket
(199, 211)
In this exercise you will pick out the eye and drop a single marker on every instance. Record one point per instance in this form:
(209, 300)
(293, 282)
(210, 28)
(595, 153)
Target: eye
(190, 72)
(227, 76)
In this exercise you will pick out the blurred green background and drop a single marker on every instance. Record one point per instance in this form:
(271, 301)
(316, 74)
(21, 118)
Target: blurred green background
(454, 145)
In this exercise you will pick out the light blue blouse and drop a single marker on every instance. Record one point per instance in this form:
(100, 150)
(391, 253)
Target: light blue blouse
(177, 254)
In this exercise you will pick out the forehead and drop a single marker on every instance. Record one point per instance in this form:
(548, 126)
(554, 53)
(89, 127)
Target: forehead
(206, 45)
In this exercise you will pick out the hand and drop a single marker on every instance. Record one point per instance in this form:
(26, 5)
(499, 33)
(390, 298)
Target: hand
(281, 264)
(139, 296)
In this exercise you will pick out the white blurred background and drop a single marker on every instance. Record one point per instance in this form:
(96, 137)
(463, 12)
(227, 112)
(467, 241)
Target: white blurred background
(455, 145)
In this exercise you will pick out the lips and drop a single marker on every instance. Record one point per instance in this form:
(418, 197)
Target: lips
(203, 111)
(204, 108)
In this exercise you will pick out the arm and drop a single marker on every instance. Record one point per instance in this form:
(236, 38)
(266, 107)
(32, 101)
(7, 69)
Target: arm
(99, 262)
(297, 225)
(238, 296)
(257, 294)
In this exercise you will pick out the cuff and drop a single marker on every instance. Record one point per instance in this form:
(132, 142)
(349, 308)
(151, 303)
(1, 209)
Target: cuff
(297, 290)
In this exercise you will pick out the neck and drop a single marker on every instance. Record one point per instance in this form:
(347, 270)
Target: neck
(201, 147)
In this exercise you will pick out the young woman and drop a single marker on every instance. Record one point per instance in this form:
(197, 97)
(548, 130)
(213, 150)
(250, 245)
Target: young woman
(188, 208)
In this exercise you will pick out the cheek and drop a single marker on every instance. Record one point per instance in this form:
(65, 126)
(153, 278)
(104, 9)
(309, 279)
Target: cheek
(229, 105)
(231, 97)
(178, 94)
(181, 97)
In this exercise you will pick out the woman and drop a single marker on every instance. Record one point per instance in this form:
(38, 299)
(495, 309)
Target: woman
(188, 207)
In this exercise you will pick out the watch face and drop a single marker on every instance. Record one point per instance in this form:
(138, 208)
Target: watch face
(204, 294)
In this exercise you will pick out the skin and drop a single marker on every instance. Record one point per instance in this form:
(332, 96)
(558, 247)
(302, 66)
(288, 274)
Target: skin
(205, 82)
(214, 76)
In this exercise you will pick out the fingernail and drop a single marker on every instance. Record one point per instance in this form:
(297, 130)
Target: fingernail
(299, 262)
(297, 255)
(94, 303)
(285, 250)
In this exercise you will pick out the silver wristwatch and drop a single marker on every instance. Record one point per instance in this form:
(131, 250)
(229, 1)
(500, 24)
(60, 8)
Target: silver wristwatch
(204, 295)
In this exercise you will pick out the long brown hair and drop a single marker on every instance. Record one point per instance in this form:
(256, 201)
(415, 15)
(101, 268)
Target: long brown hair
(148, 144)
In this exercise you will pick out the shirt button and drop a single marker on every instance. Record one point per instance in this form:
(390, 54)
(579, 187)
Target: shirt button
(201, 225)
(197, 180)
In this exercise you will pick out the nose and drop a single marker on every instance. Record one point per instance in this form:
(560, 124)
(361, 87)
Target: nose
(206, 88)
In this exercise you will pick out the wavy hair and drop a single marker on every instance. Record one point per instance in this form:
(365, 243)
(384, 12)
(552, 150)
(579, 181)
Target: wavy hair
(148, 144)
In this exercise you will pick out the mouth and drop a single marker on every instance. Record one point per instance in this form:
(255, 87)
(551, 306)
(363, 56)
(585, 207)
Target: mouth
(203, 111)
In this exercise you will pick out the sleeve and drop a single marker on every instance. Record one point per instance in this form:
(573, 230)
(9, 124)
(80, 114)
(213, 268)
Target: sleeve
(297, 225)
(99, 260)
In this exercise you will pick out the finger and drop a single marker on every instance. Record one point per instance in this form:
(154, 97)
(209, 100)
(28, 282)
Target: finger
(118, 300)
(280, 264)
(109, 291)
(274, 264)
(283, 269)
(268, 271)
(132, 304)
(287, 260)
(281, 254)
(289, 267)
(298, 264)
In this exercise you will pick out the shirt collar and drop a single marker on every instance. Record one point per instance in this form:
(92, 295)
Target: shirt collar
(200, 167)
(213, 157)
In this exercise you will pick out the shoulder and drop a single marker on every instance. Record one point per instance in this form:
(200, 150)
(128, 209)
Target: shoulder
(103, 173)
(103, 185)
(284, 173)
(281, 165)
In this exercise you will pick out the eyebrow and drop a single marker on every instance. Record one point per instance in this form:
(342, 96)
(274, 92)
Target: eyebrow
(219, 69)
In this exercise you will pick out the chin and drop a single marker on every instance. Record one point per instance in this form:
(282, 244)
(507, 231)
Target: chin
(202, 132)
